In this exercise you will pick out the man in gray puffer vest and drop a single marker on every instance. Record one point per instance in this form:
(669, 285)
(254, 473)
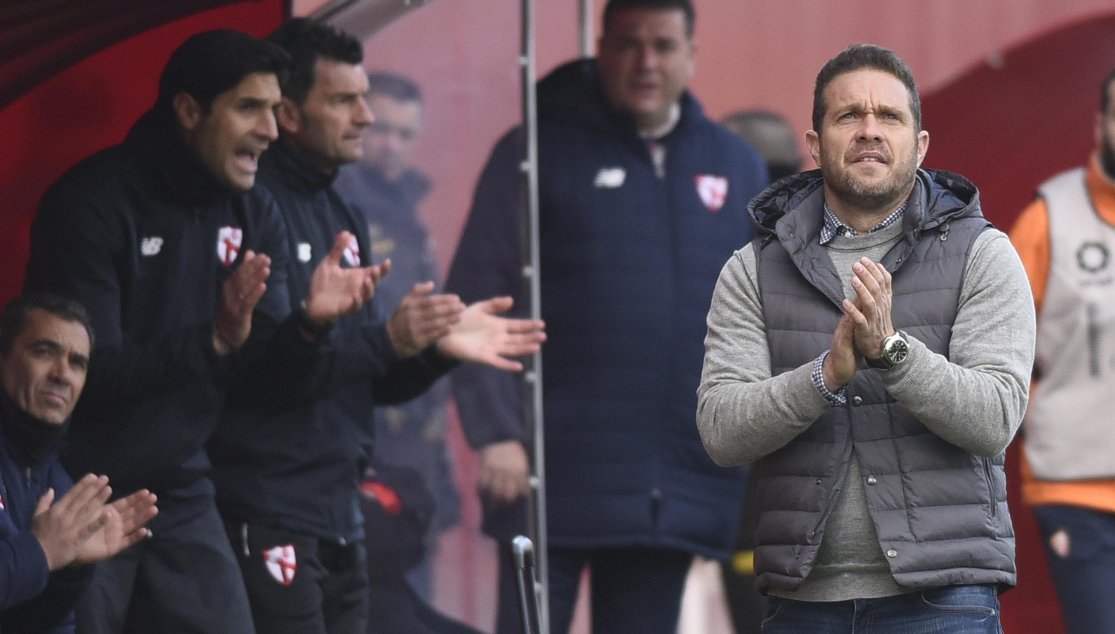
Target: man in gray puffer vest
(870, 352)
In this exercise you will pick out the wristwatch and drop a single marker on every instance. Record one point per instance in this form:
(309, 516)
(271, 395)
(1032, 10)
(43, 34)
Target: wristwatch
(895, 350)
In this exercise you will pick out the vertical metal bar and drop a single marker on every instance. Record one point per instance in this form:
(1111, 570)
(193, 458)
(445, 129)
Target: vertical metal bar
(586, 28)
(531, 271)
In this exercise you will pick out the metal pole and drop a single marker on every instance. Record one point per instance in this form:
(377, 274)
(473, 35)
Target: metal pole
(586, 28)
(531, 270)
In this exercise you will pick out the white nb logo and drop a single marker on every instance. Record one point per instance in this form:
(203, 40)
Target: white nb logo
(610, 177)
(151, 246)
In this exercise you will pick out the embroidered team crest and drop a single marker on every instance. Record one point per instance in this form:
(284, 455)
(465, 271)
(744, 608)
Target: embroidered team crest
(712, 190)
(228, 244)
(352, 252)
(281, 563)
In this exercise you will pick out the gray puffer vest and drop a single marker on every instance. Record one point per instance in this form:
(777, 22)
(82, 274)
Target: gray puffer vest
(940, 512)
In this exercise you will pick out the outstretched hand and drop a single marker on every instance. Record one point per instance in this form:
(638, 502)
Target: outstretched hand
(422, 318)
(240, 293)
(482, 336)
(123, 527)
(336, 291)
(81, 528)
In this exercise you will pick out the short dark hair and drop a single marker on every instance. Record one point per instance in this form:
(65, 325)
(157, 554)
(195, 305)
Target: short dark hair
(211, 62)
(857, 57)
(394, 86)
(1105, 99)
(306, 41)
(13, 318)
(685, 6)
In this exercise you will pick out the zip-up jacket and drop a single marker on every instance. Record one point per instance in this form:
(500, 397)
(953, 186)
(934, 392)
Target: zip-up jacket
(299, 468)
(143, 236)
(628, 262)
(33, 600)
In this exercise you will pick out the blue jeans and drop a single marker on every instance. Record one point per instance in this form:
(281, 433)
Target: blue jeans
(1083, 565)
(948, 610)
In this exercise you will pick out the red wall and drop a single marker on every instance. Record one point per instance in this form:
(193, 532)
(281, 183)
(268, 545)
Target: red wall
(85, 108)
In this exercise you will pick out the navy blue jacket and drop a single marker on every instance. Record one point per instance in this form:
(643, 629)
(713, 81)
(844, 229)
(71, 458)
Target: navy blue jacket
(410, 434)
(143, 237)
(32, 599)
(628, 263)
(297, 468)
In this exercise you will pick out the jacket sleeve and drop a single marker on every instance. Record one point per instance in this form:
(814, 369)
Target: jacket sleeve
(77, 247)
(370, 356)
(488, 262)
(51, 611)
(23, 567)
(975, 398)
(743, 413)
(35, 599)
(277, 364)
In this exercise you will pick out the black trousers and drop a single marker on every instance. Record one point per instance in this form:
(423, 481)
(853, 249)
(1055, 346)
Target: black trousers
(183, 580)
(636, 590)
(299, 584)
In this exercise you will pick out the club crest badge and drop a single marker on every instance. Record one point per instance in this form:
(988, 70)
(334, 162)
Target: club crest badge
(281, 563)
(228, 244)
(712, 190)
(352, 252)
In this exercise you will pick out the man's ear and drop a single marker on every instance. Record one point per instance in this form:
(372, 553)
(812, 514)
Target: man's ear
(187, 110)
(289, 116)
(813, 144)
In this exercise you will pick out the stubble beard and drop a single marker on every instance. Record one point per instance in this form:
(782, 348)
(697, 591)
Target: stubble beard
(874, 196)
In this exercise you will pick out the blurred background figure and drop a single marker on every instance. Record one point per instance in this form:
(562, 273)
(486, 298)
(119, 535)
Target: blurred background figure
(773, 136)
(1065, 238)
(386, 189)
(628, 165)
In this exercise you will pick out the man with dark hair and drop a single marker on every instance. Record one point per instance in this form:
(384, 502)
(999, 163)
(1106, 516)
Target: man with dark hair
(641, 198)
(48, 530)
(1065, 239)
(870, 354)
(287, 478)
(386, 190)
(182, 264)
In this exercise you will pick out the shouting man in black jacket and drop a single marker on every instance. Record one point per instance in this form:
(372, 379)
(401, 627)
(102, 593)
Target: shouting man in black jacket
(182, 266)
(287, 480)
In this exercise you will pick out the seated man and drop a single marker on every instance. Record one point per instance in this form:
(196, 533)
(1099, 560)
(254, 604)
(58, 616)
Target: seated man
(44, 355)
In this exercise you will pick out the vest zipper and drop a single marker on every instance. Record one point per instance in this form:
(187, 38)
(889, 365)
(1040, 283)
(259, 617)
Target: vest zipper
(990, 487)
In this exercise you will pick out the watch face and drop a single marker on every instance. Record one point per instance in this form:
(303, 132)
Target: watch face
(895, 349)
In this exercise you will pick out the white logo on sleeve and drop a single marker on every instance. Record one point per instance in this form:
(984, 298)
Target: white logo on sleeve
(610, 178)
(150, 246)
(304, 252)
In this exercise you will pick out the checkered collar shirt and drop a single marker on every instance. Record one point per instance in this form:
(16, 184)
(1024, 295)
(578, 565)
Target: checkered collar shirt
(834, 227)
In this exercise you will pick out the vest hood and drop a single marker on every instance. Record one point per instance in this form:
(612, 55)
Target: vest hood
(939, 197)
